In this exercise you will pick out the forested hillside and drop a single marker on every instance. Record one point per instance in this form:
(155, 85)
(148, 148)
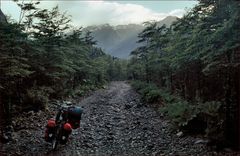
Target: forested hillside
(120, 40)
(192, 69)
(43, 57)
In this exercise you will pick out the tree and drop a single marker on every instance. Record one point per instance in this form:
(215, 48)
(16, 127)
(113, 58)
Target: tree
(88, 39)
(197, 58)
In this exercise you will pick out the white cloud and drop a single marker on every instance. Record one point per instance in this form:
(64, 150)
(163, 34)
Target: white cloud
(99, 12)
(114, 13)
(177, 12)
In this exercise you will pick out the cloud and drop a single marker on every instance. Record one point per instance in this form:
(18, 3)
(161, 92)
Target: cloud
(86, 13)
(100, 12)
(117, 13)
(177, 12)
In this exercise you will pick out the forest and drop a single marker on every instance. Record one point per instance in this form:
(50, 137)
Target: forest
(44, 57)
(190, 70)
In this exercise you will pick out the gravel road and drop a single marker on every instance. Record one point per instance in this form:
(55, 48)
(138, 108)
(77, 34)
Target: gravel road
(114, 122)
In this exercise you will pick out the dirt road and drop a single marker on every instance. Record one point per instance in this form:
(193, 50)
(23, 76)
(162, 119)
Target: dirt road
(115, 122)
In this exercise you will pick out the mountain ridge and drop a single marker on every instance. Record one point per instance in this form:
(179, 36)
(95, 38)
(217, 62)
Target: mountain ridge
(120, 40)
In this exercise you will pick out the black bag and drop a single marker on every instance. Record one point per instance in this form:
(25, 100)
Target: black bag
(74, 116)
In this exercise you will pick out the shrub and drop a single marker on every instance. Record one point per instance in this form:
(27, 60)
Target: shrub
(180, 112)
(138, 85)
(84, 88)
(210, 108)
(153, 96)
(215, 120)
(167, 97)
(37, 97)
(149, 91)
(194, 117)
(189, 116)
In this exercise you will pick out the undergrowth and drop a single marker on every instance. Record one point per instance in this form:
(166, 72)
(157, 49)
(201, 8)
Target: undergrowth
(196, 117)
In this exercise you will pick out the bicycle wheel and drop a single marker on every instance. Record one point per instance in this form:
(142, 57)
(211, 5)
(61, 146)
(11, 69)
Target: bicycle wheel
(54, 143)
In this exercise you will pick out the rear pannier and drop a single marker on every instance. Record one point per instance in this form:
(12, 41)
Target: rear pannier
(50, 129)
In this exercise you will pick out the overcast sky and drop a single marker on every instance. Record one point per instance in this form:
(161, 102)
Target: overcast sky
(86, 13)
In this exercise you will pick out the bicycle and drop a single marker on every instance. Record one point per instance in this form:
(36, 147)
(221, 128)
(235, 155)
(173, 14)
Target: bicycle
(67, 118)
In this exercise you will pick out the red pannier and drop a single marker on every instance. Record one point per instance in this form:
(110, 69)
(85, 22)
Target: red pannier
(67, 130)
(50, 129)
(74, 116)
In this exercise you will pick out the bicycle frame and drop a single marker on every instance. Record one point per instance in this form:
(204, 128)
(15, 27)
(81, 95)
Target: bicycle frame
(59, 127)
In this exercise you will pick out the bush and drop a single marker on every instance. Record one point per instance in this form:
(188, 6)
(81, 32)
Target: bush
(138, 85)
(215, 120)
(167, 97)
(193, 117)
(84, 88)
(180, 112)
(149, 91)
(210, 108)
(37, 98)
(153, 96)
(189, 116)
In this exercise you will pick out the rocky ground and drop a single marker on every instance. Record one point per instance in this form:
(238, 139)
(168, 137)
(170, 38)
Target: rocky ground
(115, 122)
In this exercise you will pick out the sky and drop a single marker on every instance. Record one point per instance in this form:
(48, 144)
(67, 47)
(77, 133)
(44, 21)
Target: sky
(85, 13)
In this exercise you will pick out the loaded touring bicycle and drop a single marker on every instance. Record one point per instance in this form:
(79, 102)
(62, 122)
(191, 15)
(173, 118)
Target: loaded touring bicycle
(59, 129)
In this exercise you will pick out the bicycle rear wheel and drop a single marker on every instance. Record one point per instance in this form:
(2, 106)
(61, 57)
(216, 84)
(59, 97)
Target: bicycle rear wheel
(56, 138)
(54, 143)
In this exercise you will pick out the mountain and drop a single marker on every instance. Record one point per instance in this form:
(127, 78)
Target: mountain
(2, 17)
(120, 40)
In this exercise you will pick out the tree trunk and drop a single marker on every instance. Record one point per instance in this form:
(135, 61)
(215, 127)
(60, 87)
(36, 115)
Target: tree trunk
(228, 109)
(171, 83)
(237, 87)
(1, 114)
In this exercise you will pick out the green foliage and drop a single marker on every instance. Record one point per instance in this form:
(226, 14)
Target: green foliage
(43, 57)
(180, 112)
(38, 97)
(153, 96)
(138, 85)
(211, 108)
(148, 87)
(168, 98)
(149, 92)
(175, 108)
(196, 59)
